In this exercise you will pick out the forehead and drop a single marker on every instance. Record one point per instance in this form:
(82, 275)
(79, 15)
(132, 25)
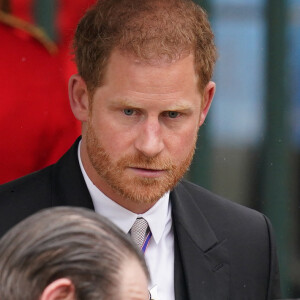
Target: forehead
(161, 76)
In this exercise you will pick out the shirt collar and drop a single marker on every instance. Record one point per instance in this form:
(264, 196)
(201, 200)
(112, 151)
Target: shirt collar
(158, 216)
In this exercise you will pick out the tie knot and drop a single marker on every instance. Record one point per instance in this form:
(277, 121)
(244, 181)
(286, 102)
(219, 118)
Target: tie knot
(138, 231)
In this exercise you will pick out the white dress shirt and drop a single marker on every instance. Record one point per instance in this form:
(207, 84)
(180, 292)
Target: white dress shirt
(160, 251)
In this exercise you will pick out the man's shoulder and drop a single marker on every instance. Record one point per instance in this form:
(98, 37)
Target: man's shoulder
(23, 197)
(59, 184)
(241, 235)
(220, 209)
(30, 182)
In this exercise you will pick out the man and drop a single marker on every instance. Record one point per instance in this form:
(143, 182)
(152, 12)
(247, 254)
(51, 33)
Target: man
(142, 92)
(70, 254)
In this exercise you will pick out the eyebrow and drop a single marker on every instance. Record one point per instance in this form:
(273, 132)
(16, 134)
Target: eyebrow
(131, 104)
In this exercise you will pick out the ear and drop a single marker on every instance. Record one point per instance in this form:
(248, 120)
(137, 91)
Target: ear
(60, 289)
(208, 95)
(79, 97)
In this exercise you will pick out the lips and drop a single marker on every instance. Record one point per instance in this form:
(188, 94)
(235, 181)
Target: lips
(147, 169)
(147, 172)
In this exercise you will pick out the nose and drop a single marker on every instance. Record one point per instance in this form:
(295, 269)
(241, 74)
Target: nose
(149, 140)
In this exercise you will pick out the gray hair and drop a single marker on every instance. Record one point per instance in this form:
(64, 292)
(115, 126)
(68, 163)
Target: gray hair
(64, 242)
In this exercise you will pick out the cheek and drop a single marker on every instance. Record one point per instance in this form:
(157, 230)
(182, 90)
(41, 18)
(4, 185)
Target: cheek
(180, 144)
(115, 141)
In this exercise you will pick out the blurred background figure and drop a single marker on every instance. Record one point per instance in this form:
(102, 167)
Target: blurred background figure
(37, 125)
(72, 254)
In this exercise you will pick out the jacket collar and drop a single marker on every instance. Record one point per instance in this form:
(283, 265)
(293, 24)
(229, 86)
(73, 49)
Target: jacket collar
(69, 187)
(204, 258)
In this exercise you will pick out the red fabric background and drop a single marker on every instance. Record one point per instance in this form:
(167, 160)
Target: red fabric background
(37, 125)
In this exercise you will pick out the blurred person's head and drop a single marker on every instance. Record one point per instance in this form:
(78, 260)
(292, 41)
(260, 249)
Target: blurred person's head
(142, 92)
(72, 254)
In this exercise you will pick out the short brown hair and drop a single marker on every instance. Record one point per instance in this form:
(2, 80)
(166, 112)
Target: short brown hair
(64, 242)
(148, 29)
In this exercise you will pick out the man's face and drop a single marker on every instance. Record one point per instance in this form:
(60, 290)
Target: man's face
(140, 135)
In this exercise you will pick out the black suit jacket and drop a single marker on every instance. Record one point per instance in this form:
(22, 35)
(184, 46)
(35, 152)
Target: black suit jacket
(222, 250)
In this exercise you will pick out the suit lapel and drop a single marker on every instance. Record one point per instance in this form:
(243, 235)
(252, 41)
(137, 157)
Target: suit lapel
(69, 187)
(204, 258)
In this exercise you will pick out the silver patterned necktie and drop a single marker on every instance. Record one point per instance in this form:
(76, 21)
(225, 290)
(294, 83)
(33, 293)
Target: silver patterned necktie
(139, 230)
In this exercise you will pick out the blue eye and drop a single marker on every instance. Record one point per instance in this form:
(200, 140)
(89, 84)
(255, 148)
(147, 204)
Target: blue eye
(173, 114)
(128, 112)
